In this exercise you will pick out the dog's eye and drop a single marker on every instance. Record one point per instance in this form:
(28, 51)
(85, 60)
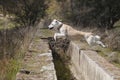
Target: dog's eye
(56, 22)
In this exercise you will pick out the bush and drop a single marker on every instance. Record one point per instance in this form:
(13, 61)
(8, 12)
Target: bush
(113, 39)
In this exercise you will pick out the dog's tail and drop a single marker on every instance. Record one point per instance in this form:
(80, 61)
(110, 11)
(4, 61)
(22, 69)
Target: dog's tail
(84, 33)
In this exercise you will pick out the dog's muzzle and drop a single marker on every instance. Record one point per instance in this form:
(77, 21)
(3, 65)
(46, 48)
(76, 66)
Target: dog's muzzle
(51, 28)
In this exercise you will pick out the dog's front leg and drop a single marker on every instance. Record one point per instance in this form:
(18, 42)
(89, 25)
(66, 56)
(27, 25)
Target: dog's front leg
(56, 35)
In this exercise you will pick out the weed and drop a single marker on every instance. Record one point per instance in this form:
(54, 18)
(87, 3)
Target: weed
(9, 68)
(12, 69)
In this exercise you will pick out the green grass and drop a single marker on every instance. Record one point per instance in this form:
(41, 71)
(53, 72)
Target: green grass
(10, 66)
(8, 69)
(12, 69)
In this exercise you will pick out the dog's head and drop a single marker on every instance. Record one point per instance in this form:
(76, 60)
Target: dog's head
(54, 23)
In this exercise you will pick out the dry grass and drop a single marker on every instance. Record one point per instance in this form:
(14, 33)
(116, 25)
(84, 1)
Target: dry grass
(6, 23)
(9, 68)
(113, 39)
(14, 41)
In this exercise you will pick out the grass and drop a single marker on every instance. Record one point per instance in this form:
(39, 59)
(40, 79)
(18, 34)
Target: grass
(9, 68)
(106, 52)
(47, 32)
(116, 64)
(117, 24)
(12, 69)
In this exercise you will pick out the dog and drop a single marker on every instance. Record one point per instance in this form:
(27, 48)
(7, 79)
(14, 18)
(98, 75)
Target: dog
(66, 30)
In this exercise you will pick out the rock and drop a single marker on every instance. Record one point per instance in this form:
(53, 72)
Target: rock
(24, 71)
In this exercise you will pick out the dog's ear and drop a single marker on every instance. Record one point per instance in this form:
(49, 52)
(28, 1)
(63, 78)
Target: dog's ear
(56, 21)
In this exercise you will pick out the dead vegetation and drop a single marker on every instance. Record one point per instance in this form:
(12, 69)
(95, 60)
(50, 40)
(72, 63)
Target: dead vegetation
(13, 44)
(61, 60)
(60, 47)
(113, 39)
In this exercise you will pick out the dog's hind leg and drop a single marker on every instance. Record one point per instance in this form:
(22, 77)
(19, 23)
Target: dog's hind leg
(100, 43)
(58, 35)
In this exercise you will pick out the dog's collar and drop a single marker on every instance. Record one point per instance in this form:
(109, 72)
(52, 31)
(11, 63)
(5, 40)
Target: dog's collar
(59, 27)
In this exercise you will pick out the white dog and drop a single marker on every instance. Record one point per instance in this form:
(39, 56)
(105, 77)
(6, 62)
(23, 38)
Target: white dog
(66, 30)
